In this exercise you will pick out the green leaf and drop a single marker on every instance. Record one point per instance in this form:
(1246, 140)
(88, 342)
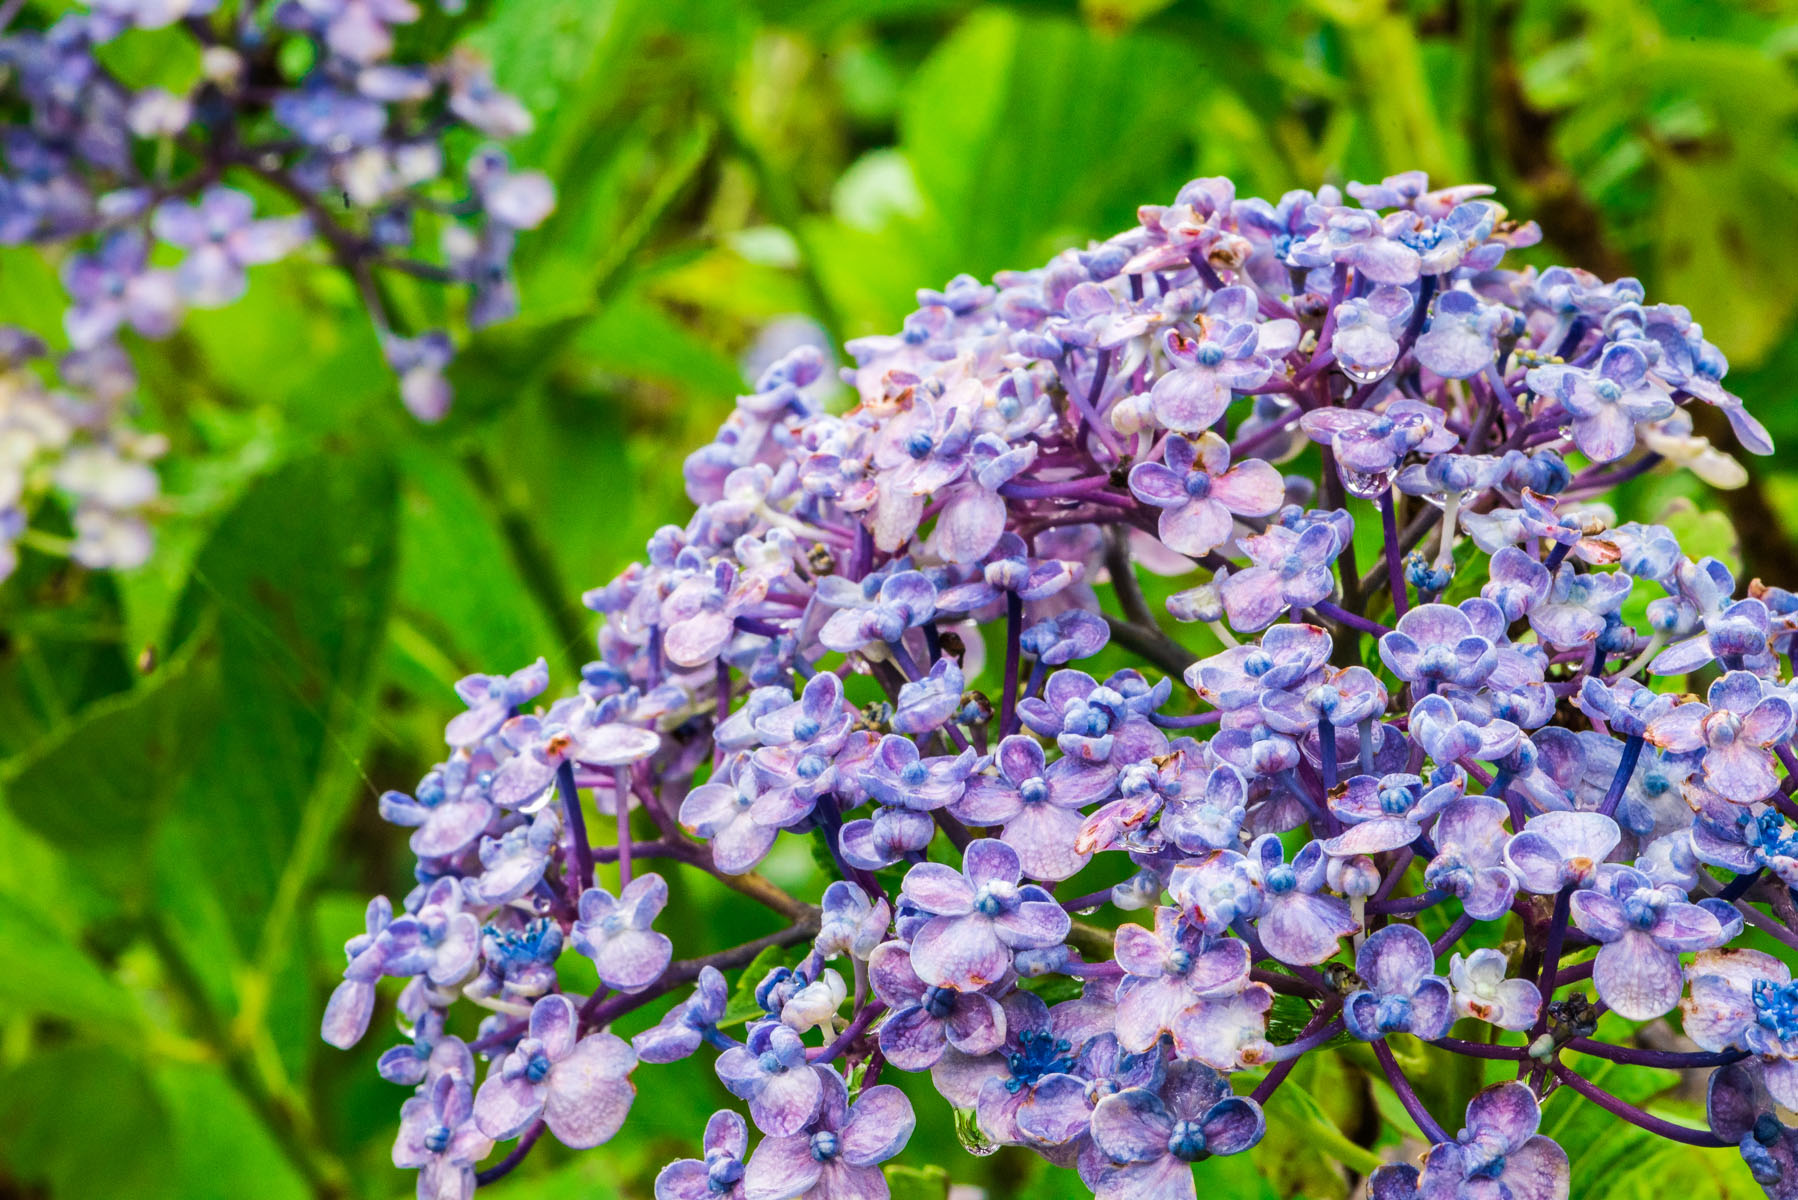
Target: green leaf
(917, 1183)
(49, 974)
(96, 788)
(742, 1006)
(298, 577)
(222, 1150)
(124, 1146)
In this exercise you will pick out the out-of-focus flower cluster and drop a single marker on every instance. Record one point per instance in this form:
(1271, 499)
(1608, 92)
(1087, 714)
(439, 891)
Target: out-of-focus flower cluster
(1313, 760)
(304, 132)
(61, 431)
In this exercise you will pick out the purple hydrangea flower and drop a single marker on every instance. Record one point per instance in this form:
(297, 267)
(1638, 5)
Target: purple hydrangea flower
(1740, 1109)
(439, 1139)
(580, 1087)
(1643, 929)
(1147, 1141)
(900, 602)
(1037, 803)
(1737, 728)
(770, 1071)
(615, 933)
(1437, 643)
(1168, 972)
(687, 1024)
(837, 1154)
(1743, 999)
(1498, 1153)
(1471, 838)
(718, 1176)
(1561, 849)
(1606, 401)
(1291, 571)
(978, 918)
(1200, 494)
(1402, 992)
(925, 1019)
(1300, 922)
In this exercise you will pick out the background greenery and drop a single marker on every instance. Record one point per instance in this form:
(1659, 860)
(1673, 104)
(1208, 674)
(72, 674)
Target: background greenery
(192, 751)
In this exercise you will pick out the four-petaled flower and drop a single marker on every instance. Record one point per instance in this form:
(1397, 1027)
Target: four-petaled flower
(580, 1088)
(1200, 494)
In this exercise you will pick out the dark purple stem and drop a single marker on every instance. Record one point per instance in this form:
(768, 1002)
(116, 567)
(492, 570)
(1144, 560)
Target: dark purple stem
(1014, 630)
(582, 878)
(1395, 1076)
(506, 1165)
(1336, 612)
(1632, 751)
(1635, 1116)
(621, 780)
(1395, 567)
(856, 1027)
(1479, 1049)
(1637, 1056)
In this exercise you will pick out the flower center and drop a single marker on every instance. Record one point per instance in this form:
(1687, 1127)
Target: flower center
(1186, 1141)
(1776, 1007)
(1038, 1054)
(825, 1146)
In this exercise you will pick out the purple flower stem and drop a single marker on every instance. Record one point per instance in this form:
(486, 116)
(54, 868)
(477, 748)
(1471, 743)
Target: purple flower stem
(1395, 567)
(1480, 1049)
(1192, 721)
(582, 879)
(1637, 1056)
(623, 804)
(1738, 887)
(1014, 630)
(687, 970)
(722, 709)
(1410, 904)
(1619, 1107)
(1632, 752)
(509, 1163)
(1577, 973)
(1307, 1041)
(1267, 433)
(1321, 1020)
(1030, 490)
(1088, 404)
(1556, 556)
(1326, 753)
(1395, 1076)
(1336, 612)
(1451, 935)
(758, 627)
(1393, 874)
(855, 1029)
(1090, 900)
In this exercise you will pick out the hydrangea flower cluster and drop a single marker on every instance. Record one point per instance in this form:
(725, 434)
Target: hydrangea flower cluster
(162, 201)
(1307, 767)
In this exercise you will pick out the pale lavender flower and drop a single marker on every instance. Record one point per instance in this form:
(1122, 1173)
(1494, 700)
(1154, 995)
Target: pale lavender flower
(924, 1019)
(1038, 804)
(719, 1176)
(1471, 837)
(1498, 1153)
(439, 1139)
(1561, 849)
(1292, 570)
(580, 1088)
(1484, 993)
(1300, 922)
(1167, 972)
(1147, 1141)
(1743, 999)
(1643, 929)
(1200, 494)
(615, 933)
(836, 1155)
(1606, 401)
(979, 918)
(687, 1024)
(770, 1071)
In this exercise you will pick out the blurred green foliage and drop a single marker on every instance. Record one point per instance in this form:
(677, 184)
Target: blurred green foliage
(191, 752)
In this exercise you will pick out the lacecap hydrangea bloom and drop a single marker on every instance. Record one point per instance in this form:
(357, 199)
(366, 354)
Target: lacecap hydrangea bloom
(305, 134)
(1527, 763)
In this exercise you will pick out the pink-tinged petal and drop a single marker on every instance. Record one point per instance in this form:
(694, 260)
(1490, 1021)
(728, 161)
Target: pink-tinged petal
(880, 1123)
(1537, 1170)
(1781, 1075)
(1303, 930)
(1033, 925)
(1607, 435)
(960, 952)
(976, 1024)
(1154, 483)
(1132, 1126)
(1250, 489)
(912, 1039)
(505, 1108)
(988, 860)
(521, 779)
(554, 1022)
(1372, 837)
(1149, 1007)
(960, 1077)
(780, 1169)
(1740, 771)
(940, 889)
(1164, 1178)
(1637, 978)
(1717, 1011)
(1189, 400)
(1195, 528)
(1043, 835)
(633, 959)
(970, 524)
(988, 801)
(589, 1093)
(684, 1179)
